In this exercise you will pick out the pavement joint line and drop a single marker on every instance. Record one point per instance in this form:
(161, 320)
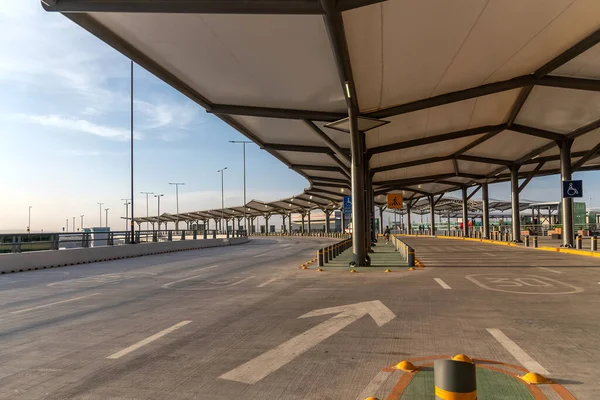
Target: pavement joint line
(551, 270)
(53, 304)
(518, 353)
(375, 384)
(267, 282)
(442, 283)
(146, 341)
(166, 285)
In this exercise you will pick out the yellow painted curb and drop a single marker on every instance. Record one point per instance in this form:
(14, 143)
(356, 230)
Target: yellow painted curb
(388, 270)
(371, 398)
(320, 270)
(353, 271)
(304, 267)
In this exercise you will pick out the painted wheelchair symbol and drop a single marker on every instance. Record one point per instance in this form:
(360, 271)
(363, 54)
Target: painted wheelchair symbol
(571, 191)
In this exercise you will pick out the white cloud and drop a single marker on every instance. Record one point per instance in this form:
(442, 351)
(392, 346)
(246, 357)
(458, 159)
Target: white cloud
(80, 125)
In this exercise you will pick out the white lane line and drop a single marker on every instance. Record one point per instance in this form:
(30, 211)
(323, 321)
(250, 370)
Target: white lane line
(166, 285)
(261, 255)
(551, 270)
(490, 254)
(53, 304)
(442, 283)
(267, 282)
(517, 352)
(374, 385)
(148, 340)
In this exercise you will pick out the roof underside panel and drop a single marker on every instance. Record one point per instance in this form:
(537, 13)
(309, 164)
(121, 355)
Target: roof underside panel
(397, 58)
(309, 158)
(510, 145)
(326, 174)
(231, 58)
(421, 152)
(341, 138)
(281, 131)
(586, 65)
(473, 113)
(559, 110)
(438, 168)
(477, 168)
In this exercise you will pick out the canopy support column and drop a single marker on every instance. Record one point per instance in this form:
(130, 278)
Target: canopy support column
(327, 215)
(567, 203)
(514, 198)
(359, 223)
(290, 224)
(465, 215)
(381, 220)
(408, 227)
(486, 210)
(432, 214)
(309, 227)
(303, 216)
(370, 208)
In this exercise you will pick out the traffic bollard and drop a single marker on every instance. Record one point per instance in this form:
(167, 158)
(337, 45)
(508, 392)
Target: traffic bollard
(320, 257)
(578, 242)
(526, 241)
(325, 255)
(594, 243)
(535, 241)
(454, 379)
(410, 259)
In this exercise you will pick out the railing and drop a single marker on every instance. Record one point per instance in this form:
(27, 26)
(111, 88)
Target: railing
(407, 252)
(17, 243)
(328, 253)
(305, 234)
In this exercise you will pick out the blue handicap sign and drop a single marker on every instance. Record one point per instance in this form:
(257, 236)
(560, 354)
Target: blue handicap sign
(572, 189)
(347, 205)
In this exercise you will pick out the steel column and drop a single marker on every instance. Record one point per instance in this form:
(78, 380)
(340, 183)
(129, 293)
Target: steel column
(408, 229)
(486, 210)
(359, 223)
(370, 208)
(327, 214)
(303, 215)
(381, 220)
(465, 215)
(567, 203)
(514, 198)
(432, 213)
(309, 227)
(290, 224)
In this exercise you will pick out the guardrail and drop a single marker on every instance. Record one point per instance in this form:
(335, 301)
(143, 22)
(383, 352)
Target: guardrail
(305, 234)
(407, 252)
(328, 253)
(18, 243)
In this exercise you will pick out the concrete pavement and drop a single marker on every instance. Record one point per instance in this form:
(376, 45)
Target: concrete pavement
(245, 322)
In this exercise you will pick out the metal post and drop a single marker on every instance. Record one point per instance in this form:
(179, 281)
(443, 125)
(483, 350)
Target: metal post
(514, 198)
(327, 221)
(100, 204)
(432, 213)
(567, 203)
(29, 221)
(290, 224)
(594, 243)
(106, 211)
(131, 151)
(408, 229)
(486, 210)
(465, 215)
(81, 221)
(177, 184)
(67, 224)
(309, 228)
(454, 379)
(381, 220)
(320, 257)
(359, 251)
(410, 256)
(266, 225)
(158, 196)
(535, 241)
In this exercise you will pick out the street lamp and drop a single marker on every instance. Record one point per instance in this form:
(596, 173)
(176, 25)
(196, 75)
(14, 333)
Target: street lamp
(177, 184)
(106, 211)
(243, 142)
(222, 198)
(100, 214)
(74, 224)
(81, 221)
(147, 223)
(158, 196)
(29, 221)
(67, 224)
(127, 203)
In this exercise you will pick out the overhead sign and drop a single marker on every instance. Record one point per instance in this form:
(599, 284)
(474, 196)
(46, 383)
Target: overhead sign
(347, 205)
(394, 200)
(572, 189)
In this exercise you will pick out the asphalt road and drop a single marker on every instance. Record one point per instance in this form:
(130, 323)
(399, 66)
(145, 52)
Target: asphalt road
(225, 323)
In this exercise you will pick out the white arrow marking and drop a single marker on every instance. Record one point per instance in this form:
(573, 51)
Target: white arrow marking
(261, 366)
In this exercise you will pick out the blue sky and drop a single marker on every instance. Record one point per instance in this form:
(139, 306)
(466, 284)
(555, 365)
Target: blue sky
(64, 134)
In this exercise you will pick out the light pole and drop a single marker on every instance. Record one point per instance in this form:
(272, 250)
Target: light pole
(29, 221)
(81, 221)
(67, 224)
(243, 142)
(73, 224)
(126, 212)
(100, 214)
(177, 184)
(158, 196)
(222, 199)
(147, 215)
(106, 211)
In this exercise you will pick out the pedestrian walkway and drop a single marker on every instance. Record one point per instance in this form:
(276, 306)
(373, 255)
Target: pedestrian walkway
(384, 256)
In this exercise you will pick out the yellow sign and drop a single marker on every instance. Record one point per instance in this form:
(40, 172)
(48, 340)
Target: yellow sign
(394, 200)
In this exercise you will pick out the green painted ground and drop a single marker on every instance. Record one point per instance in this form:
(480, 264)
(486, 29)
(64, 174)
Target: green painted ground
(384, 257)
(491, 385)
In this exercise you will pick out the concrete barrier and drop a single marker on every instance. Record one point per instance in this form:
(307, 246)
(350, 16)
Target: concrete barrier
(19, 262)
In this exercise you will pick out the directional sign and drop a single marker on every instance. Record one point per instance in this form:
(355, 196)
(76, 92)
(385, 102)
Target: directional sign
(263, 365)
(347, 205)
(394, 200)
(572, 189)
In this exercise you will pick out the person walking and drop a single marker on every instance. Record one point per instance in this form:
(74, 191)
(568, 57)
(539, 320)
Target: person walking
(386, 234)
